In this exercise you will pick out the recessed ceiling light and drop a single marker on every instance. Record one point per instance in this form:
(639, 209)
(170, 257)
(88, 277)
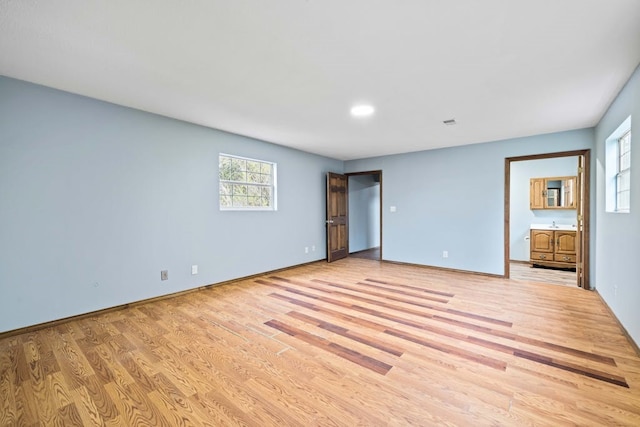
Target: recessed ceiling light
(450, 122)
(362, 110)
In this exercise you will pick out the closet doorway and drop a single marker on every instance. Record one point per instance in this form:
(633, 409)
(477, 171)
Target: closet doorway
(365, 214)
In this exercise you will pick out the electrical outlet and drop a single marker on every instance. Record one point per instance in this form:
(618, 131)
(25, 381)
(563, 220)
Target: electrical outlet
(194, 269)
(306, 249)
(445, 254)
(313, 248)
(164, 275)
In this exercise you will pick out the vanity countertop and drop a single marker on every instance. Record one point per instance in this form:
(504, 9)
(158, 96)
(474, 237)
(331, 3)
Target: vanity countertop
(563, 227)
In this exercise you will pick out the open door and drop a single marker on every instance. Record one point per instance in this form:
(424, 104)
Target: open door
(582, 231)
(337, 216)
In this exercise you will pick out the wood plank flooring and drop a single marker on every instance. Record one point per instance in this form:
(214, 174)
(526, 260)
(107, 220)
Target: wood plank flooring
(355, 342)
(523, 271)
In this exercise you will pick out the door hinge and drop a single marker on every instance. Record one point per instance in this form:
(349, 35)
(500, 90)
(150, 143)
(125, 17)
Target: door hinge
(580, 169)
(580, 218)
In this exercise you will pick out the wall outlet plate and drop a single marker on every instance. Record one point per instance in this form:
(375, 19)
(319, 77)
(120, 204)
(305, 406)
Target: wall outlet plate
(164, 275)
(194, 269)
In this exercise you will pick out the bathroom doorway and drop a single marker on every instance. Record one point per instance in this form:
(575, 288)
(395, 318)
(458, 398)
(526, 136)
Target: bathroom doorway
(519, 218)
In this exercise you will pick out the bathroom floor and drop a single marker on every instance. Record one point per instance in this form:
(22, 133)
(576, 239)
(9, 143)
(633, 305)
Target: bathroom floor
(523, 271)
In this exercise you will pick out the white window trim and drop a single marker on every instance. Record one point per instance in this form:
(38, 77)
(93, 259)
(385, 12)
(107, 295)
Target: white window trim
(611, 167)
(621, 172)
(273, 186)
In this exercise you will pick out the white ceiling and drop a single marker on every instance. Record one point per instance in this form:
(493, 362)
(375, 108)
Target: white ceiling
(288, 71)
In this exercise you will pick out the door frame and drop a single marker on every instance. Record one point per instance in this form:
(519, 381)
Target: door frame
(584, 192)
(379, 174)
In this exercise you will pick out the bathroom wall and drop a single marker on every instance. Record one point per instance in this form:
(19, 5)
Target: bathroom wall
(521, 216)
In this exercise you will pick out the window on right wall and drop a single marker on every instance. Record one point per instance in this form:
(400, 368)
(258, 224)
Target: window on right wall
(618, 169)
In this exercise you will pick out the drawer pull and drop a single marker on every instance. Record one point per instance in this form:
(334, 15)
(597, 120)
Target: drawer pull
(543, 256)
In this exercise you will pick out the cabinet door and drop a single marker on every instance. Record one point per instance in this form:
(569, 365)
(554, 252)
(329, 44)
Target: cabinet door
(541, 241)
(537, 189)
(569, 188)
(565, 242)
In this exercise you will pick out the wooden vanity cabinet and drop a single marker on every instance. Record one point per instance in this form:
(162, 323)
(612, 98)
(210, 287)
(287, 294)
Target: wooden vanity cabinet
(553, 248)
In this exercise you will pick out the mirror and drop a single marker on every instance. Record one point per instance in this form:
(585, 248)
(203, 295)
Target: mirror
(553, 193)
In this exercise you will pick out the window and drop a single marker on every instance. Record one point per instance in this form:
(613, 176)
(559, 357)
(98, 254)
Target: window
(246, 184)
(618, 169)
(623, 173)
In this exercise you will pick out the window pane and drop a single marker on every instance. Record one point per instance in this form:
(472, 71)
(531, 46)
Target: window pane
(253, 166)
(239, 168)
(623, 201)
(239, 189)
(225, 188)
(624, 181)
(253, 177)
(266, 196)
(254, 191)
(625, 161)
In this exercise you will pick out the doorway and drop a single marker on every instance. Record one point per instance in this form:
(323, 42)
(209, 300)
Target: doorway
(363, 190)
(365, 214)
(579, 217)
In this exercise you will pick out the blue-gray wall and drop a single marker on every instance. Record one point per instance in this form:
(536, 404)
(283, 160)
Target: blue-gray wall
(618, 234)
(521, 214)
(96, 199)
(453, 200)
(364, 213)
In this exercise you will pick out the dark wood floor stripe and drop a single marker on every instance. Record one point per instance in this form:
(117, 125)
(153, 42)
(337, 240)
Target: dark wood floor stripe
(398, 291)
(532, 341)
(337, 314)
(339, 330)
(369, 286)
(415, 288)
(374, 294)
(341, 351)
(474, 357)
(389, 306)
(592, 373)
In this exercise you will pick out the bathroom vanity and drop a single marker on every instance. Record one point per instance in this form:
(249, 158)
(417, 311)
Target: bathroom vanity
(553, 245)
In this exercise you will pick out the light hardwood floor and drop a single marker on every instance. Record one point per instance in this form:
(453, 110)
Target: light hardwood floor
(355, 342)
